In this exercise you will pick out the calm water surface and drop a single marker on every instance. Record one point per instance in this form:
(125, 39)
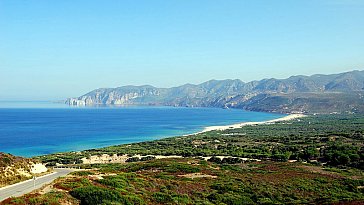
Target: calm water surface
(30, 129)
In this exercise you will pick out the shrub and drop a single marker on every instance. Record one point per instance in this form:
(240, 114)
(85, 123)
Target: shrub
(215, 160)
(133, 159)
(231, 160)
(92, 195)
(114, 181)
(68, 185)
(82, 173)
(147, 158)
(178, 167)
(162, 197)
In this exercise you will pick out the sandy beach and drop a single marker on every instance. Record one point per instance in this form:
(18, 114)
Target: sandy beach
(239, 125)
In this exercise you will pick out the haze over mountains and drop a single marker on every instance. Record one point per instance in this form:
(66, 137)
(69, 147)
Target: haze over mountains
(305, 94)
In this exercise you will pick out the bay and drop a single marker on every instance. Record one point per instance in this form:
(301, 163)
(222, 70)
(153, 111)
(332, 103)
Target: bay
(48, 128)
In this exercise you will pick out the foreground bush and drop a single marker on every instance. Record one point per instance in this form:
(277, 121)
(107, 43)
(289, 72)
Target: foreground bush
(93, 195)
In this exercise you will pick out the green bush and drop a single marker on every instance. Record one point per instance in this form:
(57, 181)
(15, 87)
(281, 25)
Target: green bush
(82, 173)
(162, 197)
(133, 199)
(75, 184)
(114, 181)
(179, 167)
(92, 195)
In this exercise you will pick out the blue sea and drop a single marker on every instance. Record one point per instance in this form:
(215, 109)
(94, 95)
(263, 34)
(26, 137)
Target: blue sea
(38, 128)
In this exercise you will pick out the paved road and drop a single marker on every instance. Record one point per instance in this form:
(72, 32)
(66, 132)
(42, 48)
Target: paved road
(30, 185)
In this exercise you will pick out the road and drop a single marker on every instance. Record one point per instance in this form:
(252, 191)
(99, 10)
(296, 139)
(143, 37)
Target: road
(30, 185)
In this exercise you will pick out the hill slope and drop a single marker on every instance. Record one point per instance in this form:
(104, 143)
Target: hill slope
(14, 169)
(308, 94)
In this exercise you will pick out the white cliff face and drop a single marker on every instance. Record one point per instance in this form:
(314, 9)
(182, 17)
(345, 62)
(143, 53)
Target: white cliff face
(115, 97)
(316, 94)
(82, 101)
(88, 101)
(75, 102)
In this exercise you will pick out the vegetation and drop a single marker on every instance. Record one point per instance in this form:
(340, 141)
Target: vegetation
(335, 140)
(341, 93)
(313, 160)
(9, 169)
(51, 198)
(195, 181)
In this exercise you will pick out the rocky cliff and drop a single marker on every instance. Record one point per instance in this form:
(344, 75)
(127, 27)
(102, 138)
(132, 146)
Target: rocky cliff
(317, 93)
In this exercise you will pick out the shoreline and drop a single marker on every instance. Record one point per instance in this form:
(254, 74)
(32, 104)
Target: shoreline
(202, 129)
(114, 158)
(242, 124)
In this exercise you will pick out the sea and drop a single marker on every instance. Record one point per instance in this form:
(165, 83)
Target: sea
(38, 128)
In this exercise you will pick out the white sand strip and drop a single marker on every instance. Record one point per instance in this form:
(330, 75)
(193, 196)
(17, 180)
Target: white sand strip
(239, 125)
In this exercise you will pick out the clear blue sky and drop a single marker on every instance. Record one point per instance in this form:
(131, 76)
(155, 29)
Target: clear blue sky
(58, 49)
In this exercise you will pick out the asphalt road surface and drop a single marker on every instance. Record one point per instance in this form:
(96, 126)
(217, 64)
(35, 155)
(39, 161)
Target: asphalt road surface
(30, 185)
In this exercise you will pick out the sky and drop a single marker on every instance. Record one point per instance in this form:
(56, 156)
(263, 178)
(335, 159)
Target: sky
(51, 50)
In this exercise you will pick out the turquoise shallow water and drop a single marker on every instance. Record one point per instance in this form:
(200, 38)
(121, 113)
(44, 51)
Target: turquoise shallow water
(48, 128)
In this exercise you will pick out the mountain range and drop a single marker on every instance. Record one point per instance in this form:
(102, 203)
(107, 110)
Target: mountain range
(318, 93)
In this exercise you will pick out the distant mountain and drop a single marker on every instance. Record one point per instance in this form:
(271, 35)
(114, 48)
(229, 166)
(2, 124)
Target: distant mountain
(306, 94)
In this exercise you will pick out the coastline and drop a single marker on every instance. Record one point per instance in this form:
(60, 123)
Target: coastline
(239, 125)
(70, 132)
(114, 158)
